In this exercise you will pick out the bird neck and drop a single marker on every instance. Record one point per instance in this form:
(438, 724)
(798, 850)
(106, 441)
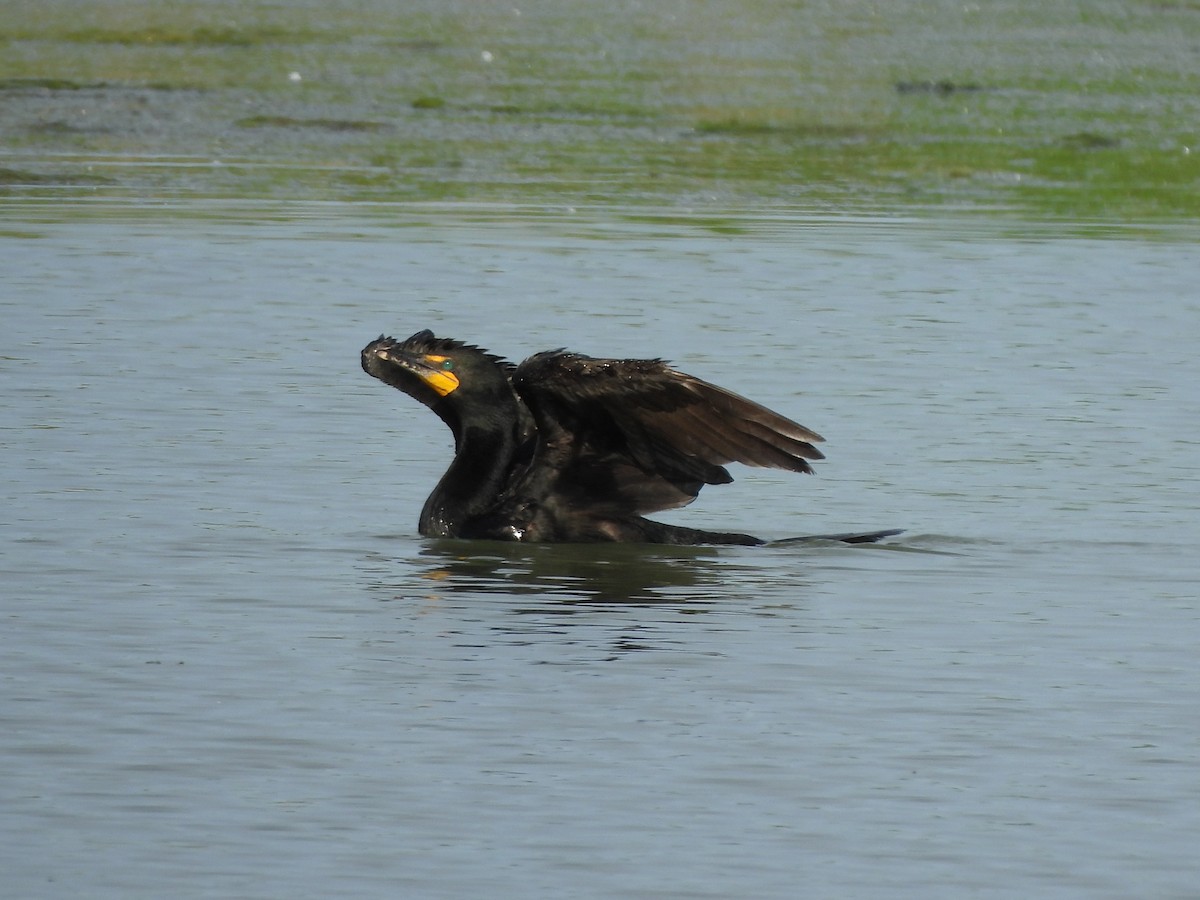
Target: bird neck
(484, 459)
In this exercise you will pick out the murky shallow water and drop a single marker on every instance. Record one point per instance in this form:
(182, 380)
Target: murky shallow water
(232, 668)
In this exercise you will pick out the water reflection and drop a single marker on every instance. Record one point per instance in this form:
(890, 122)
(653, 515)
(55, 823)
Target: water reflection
(581, 573)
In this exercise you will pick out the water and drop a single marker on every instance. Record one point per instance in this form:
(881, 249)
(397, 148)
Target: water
(231, 668)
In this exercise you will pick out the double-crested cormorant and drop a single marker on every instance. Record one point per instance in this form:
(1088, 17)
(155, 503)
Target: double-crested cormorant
(564, 447)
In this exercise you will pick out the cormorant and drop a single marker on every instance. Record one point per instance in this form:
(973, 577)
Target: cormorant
(564, 447)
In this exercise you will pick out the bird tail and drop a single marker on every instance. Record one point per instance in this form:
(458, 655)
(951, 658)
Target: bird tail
(849, 537)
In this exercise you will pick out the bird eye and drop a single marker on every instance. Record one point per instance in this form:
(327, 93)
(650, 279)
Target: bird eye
(448, 364)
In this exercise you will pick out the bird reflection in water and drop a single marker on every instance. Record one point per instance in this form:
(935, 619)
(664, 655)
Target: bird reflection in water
(570, 574)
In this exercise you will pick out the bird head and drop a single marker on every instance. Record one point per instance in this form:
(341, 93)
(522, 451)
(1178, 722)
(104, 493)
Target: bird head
(436, 371)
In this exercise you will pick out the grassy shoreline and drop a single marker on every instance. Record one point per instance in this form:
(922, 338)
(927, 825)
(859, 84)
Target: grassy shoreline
(1078, 113)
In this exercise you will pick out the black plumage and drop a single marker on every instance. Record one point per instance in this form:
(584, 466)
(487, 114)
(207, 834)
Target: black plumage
(564, 447)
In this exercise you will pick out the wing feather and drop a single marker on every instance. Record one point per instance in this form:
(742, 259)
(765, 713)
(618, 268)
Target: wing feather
(662, 434)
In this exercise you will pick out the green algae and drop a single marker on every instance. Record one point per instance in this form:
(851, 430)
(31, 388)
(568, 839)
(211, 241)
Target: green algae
(275, 121)
(1019, 106)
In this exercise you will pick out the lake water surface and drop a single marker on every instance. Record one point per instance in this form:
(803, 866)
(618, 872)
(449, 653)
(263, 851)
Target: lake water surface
(232, 668)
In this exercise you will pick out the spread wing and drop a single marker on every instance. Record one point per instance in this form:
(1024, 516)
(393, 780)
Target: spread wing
(638, 436)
